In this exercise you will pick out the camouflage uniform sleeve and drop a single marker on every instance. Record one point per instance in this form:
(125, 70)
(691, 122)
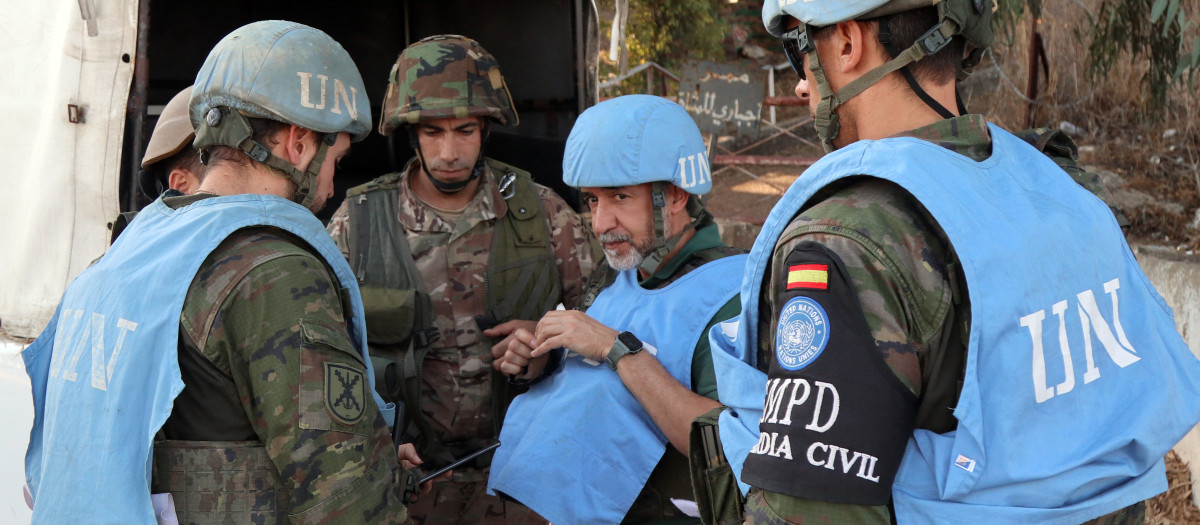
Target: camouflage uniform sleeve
(896, 260)
(575, 248)
(1059, 146)
(339, 228)
(280, 333)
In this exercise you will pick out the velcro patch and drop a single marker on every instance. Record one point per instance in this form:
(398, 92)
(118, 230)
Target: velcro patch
(808, 277)
(345, 393)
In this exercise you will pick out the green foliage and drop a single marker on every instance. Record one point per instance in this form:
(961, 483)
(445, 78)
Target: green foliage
(1140, 28)
(668, 31)
(1010, 12)
(665, 32)
(1153, 31)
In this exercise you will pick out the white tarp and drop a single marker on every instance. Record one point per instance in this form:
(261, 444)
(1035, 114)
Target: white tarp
(58, 180)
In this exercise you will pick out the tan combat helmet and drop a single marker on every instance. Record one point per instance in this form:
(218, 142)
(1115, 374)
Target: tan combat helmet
(172, 133)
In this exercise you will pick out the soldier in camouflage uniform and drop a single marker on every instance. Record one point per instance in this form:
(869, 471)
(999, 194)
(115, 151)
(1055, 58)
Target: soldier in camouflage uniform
(268, 409)
(454, 253)
(892, 290)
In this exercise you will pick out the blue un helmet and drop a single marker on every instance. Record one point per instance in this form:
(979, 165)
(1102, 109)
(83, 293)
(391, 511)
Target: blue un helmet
(281, 71)
(638, 139)
(968, 19)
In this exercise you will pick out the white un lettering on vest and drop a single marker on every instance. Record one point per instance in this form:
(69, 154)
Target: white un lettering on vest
(1092, 322)
(80, 333)
(817, 403)
(340, 95)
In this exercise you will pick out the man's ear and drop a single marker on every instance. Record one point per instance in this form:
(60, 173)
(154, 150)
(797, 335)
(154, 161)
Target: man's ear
(677, 199)
(849, 43)
(299, 145)
(183, 180)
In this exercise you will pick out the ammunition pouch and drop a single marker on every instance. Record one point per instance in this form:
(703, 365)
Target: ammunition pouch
(718, 497)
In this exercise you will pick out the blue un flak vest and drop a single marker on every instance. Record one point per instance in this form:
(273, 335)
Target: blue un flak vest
(578, 447)
(105, 371)
(1076, 381)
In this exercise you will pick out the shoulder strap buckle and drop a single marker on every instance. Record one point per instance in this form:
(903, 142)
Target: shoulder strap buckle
(487, 320)
(426, 336)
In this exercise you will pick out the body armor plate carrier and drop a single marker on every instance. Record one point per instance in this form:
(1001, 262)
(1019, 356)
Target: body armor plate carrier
(522, 282)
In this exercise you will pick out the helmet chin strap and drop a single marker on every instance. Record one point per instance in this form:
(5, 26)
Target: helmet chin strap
(826, 120)
(231, 128)
(449, 187)
(662, 245)
(885, 37)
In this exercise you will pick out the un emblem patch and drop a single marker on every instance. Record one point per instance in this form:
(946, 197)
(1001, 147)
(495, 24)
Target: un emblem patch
(345, 392)
(802, 333)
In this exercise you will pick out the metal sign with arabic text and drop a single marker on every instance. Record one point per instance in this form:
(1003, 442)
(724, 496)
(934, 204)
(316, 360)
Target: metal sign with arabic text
(723, 99)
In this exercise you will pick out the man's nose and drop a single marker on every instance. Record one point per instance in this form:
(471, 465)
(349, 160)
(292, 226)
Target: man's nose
(802, 92)
(602, 221)
(450, 151)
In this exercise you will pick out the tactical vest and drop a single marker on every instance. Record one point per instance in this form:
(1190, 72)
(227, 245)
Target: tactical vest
(522, 282)
(103, 386)
(1050, 355)
(583, 419)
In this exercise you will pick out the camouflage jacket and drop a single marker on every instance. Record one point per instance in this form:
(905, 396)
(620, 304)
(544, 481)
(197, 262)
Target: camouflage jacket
(903, 270)
(261, 319)
(452, 259)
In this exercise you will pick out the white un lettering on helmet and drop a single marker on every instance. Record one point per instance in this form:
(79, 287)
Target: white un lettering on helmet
(694, 171)
(340, 95)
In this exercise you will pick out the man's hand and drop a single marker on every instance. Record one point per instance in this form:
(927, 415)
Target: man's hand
(575, 330)
(512, 355)
(409, 460)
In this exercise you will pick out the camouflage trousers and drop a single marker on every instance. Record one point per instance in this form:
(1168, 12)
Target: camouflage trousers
(467, 502)
(773, 509)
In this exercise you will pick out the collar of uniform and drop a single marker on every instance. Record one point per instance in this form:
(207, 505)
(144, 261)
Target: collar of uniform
(708, 236)
(176, 199)
(966, 135)
(417, 215)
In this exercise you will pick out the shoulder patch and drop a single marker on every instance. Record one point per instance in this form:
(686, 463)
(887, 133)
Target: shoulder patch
(345, 393)
(808, 277)
(801, 334)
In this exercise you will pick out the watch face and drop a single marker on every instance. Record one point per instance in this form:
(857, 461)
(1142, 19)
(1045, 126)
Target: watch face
(630, 341)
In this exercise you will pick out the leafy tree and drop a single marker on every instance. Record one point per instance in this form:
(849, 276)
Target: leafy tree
(669, 31)
(1150, 30)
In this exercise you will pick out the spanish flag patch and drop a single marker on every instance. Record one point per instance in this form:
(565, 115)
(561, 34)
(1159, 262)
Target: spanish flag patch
(808, 276)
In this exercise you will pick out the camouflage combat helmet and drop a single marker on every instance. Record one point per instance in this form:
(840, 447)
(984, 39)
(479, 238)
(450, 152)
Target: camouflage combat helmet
(445, 76)
(968, 19)
(286, 72)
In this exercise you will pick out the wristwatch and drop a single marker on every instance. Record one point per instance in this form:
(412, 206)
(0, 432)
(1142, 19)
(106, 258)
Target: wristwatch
(625, 344)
